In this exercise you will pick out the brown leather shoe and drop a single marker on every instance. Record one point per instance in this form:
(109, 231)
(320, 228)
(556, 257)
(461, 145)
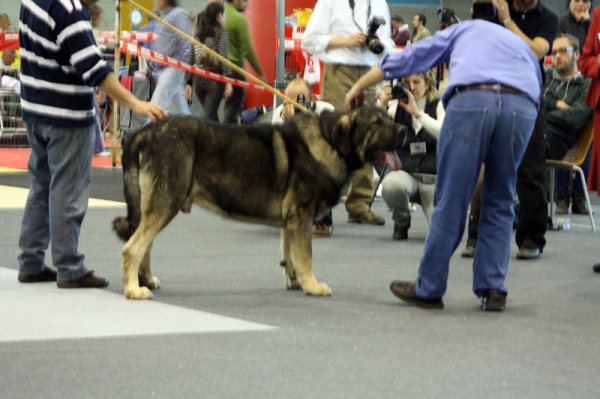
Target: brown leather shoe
(493, 300)
(367, 217)
(88, 280)
(405, 290)
(45, 275)
(323, 230)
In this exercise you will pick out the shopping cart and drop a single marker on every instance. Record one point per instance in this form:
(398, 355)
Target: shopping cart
(12, 128)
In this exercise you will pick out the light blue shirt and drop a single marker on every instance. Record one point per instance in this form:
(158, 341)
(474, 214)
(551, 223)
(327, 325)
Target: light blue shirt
(479, 52)
(170, 43)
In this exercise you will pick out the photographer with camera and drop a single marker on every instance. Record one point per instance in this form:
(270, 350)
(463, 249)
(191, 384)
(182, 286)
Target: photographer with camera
(414, 103)
(348, 36)
(299, 90)
(491, 104)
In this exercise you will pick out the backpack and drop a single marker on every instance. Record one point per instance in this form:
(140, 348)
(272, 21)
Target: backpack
(207, 60)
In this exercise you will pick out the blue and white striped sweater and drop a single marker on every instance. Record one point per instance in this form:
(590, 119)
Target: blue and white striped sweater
(60, 63)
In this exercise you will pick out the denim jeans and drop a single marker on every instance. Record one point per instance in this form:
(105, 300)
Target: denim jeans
(170, 92)
(480, 126)
(60, 170)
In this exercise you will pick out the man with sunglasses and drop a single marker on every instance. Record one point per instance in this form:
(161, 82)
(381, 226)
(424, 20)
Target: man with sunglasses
(566, 110)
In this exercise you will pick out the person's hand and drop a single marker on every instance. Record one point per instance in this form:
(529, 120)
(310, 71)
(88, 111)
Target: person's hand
(560, 104)
(188, 92)
(386, 94)
(582, 16)
(288, 111)
(502, 10)
(152, 111)
(598, 59)
(358, 39)
(411, 105)
(355, 97)
(228, 90)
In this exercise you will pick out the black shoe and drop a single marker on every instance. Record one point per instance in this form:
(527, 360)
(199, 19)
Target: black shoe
(88, 280)
(493, 300)
(562, 206)
(400, 233)
(45, 275)
(469, 251)
(528, 253)
(579, 206)
(405, 290)
(596, 268)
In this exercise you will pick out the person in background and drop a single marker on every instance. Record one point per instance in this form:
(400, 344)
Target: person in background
(491, 106)
(422, 114)
(9, 56)
(400, 31)
(150, 27)
(5, 25)
(210, 33)
(169, 92)
(299, 90)
(96, 19)
(419, 30)
(589, 64)
(577, 21)
(58, 108)
(336, 33)
(567, 113)
(241, 48)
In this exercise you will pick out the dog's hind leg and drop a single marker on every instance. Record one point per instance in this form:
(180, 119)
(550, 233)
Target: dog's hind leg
(299, 231)
(291, 280)
(145, 277)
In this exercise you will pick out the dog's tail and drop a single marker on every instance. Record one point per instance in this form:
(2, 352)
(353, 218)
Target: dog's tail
(126, 226)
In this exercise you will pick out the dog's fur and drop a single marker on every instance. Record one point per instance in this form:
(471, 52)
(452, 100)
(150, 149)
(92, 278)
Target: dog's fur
(279, 175)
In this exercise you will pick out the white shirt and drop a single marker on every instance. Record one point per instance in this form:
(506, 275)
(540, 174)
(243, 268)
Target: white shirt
(320, 106)
(333, 18)
(431, 125)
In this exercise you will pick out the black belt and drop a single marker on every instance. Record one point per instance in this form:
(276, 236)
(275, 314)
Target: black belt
(491, 87)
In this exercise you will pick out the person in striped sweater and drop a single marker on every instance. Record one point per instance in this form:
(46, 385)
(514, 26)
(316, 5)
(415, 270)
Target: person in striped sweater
(60, 65)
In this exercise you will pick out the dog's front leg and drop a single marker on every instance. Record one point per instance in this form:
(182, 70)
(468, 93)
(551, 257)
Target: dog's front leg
(291, 280)
(299, 231)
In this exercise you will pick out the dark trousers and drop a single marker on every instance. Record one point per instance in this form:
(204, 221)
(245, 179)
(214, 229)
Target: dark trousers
(234, 105)
(531, 188)
(210, 94)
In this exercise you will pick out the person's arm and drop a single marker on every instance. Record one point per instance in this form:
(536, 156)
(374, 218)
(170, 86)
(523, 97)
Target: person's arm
(124, 97)
(589, 62)
(433, 125)
(248, 47)
(576, 115)
(539, 45)
(277, 115)
(316, 37)
(224, 52)
(357, 94)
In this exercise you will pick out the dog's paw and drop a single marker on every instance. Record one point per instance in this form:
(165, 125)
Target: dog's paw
(152, 284)
(292, 283)
(138, 293)
(319, 289)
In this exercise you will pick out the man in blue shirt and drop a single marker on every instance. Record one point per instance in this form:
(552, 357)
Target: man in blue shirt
(491, 105)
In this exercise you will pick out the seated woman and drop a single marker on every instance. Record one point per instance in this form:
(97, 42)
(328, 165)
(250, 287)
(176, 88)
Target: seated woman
(422, 114)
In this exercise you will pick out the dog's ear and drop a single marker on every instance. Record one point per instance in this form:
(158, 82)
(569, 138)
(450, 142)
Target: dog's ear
(342, 134)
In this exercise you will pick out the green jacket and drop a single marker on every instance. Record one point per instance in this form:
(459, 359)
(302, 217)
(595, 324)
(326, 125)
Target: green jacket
(240, 42)
(566, 124)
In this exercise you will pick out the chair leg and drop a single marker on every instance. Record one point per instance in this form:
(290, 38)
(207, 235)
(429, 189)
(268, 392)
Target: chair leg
(551, 212)
(585, 194)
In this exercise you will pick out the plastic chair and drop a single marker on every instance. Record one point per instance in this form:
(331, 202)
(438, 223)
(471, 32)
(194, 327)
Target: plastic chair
(572, 161)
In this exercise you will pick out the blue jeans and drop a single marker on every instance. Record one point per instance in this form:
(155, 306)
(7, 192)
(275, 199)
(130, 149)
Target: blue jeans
(60, 170)
(480, 126)
(169, 92)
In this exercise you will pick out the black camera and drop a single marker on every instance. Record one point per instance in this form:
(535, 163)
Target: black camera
(485, 10)
(372, 39)
(398, 92)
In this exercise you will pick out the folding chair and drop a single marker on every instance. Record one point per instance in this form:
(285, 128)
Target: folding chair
(572, 161)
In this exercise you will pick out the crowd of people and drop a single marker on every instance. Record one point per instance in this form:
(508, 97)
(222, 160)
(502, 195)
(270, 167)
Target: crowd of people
(502, 117)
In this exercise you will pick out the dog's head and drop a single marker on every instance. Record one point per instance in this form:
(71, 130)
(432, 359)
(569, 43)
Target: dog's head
(360, 135)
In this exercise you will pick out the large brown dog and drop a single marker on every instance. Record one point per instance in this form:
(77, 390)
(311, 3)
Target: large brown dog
(283, 176)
